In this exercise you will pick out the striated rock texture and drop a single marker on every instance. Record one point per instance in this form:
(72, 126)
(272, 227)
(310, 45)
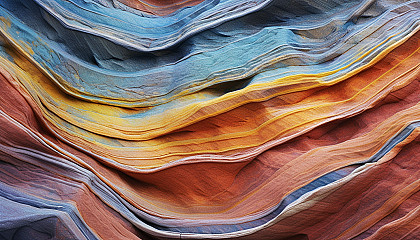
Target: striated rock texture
(210, 119)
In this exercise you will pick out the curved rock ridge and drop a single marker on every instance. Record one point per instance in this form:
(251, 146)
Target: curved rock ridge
(111, 74)
(209, 119)
(141, 31)
(193, 138)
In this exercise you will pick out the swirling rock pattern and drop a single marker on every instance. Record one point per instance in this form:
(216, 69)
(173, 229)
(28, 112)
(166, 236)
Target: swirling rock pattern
(209, 119)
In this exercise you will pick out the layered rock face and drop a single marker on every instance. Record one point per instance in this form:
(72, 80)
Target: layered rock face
(209, 119)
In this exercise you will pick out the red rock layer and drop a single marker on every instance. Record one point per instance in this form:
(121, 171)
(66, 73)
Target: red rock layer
(386, 195)
(159, 7)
